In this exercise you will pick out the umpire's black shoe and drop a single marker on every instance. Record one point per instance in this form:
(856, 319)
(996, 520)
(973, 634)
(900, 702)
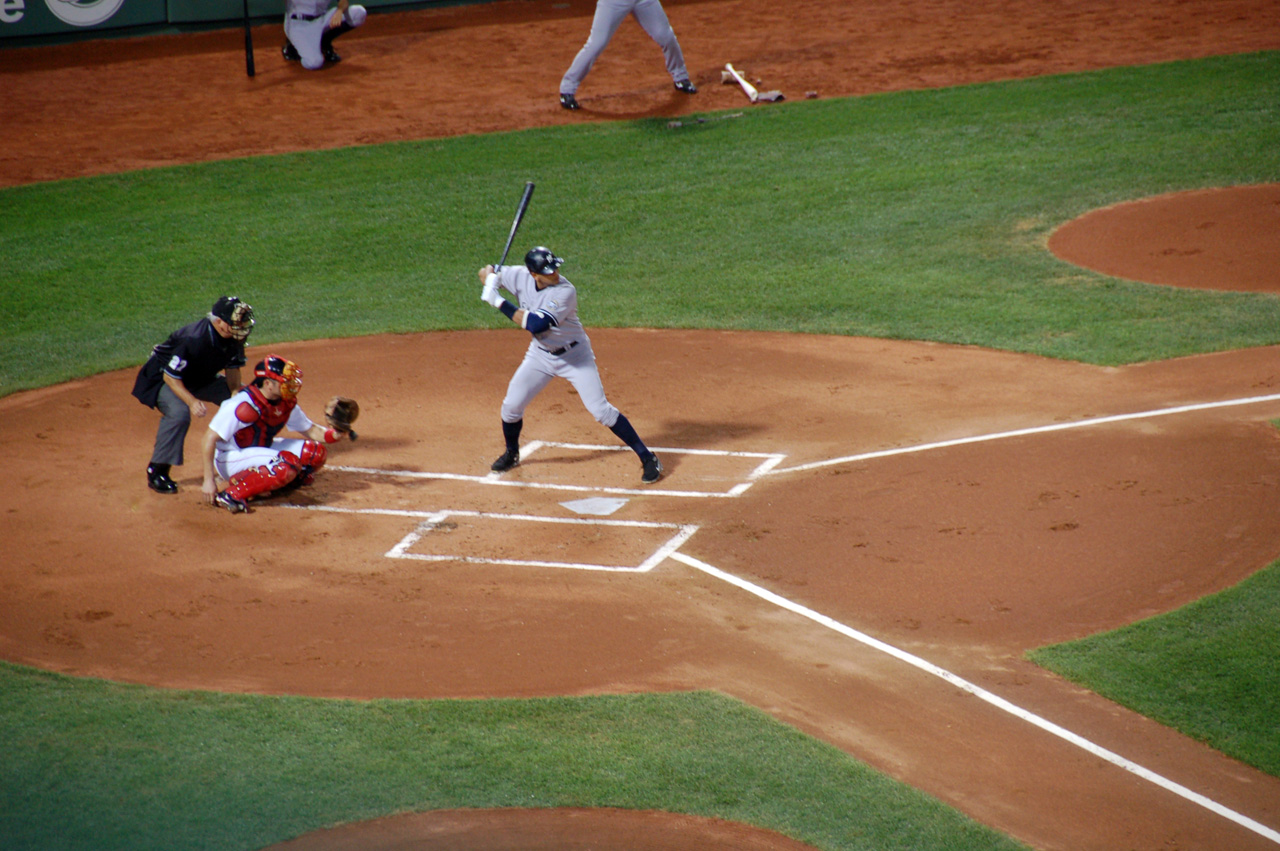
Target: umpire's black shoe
(687, 87)
(569, 102)
(290, 52)
(652, 469)
(158, 479)
(506, 461)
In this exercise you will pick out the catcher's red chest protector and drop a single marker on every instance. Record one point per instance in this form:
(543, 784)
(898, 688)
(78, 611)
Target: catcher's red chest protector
(262, 419)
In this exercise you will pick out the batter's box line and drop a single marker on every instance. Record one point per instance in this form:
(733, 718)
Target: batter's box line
(432, 520)
(768, 461)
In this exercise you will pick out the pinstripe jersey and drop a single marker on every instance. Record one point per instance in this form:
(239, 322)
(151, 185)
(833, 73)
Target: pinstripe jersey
(558, 302)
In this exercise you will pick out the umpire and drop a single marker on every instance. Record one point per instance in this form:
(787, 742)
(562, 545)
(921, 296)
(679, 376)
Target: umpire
(183, 373)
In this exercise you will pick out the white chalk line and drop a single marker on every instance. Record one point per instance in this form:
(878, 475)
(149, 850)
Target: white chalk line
(983, 694)
(1023, 432)
(768, 461)
(432, 520)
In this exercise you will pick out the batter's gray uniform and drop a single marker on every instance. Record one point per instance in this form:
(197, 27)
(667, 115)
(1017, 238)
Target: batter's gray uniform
(563, 350)
(306, 26)
(609, 15)
(559, 348)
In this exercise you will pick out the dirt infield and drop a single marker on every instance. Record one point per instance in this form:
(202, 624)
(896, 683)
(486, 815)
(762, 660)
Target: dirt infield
(963, 555)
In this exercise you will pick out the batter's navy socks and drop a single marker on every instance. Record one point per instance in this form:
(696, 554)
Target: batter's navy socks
(652, 469)
(158, 479)
(687, 87)
(569, 101)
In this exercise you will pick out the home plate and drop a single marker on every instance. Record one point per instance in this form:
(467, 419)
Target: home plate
(598, 505)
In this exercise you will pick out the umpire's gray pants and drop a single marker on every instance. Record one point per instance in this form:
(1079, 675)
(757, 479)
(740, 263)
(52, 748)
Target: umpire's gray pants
(609, 15)
(175, 419)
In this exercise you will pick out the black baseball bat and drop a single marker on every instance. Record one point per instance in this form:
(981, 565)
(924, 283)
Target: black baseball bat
(515, 225)
(248, 42)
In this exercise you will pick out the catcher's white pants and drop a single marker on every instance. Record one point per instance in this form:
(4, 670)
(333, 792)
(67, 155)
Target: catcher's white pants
(230, 462)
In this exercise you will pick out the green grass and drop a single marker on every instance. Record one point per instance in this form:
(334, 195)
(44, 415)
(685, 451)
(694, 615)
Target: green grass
(1208, 669)
(168, 769)
(918, 215)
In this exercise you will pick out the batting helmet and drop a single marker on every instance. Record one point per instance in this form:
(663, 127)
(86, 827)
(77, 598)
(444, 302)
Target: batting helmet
(282, 370)
(541, 261)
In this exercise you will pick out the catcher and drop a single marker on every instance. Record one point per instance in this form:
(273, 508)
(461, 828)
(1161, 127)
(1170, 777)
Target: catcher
(241, 445)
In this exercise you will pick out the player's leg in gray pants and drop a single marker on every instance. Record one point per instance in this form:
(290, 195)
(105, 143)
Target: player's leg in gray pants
(653, 18)
(609, 15)
(175, 420)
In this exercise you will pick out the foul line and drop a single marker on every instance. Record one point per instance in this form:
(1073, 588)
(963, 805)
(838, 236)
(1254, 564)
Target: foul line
(981, 693)
(1022, 432)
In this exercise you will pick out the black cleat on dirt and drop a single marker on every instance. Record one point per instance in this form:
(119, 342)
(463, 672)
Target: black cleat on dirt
(230, 503)
(506, 461)
(652, 469)
(158, 479)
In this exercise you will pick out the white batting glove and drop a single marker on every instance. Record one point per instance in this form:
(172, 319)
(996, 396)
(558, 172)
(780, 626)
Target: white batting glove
(493, 297)
(490, 290)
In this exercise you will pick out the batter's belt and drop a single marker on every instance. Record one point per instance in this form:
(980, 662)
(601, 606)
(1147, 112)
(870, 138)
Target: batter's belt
(297, 17)
(559, 352)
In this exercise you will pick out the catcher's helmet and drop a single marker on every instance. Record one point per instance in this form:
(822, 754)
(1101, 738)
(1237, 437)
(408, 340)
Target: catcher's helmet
(236, 313)
(282, 370)
(541, 261)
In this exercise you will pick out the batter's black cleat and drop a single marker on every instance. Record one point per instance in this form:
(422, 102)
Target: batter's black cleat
(506, 461)
(687, 87)
(158, 479)
(569, 102)
(331, 56)
(652, 469)
(290, 52)
(230, 503)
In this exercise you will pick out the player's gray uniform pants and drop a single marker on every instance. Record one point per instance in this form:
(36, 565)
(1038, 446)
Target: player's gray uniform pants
(175, 419)
(609, 15)
(539, 366)
(306, 34)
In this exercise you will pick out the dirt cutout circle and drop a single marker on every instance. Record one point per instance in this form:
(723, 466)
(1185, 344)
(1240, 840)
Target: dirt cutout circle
(965, 555)
(1217, 239)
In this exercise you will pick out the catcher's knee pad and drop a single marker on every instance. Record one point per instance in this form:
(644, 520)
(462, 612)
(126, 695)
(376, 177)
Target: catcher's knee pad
(256, 481)
(313, 454)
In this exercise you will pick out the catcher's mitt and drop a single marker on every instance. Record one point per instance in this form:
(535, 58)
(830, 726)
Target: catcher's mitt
(340, 413)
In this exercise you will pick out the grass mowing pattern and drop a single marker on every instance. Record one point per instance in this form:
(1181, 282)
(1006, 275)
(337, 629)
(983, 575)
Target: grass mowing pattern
(1208, 669)
(168, 769)
(915, 215)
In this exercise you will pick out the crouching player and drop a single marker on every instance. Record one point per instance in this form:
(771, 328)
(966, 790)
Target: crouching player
(241, 446)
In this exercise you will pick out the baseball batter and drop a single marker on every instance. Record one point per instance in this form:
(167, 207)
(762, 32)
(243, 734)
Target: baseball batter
(609, 15)
(548, 309)
(310, 26)
(241, 446)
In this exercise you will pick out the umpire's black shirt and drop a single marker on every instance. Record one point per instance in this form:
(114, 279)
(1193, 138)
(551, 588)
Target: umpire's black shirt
(194, 354)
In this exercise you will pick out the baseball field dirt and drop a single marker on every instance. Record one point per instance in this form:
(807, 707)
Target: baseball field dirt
(964, 555)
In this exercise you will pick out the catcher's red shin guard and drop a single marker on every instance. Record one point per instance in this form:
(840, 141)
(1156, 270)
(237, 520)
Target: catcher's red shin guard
(256, 481)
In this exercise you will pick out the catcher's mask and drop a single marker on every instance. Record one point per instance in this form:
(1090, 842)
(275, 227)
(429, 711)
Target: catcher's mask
(541, 261)
(279, 369)
(236, 313)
